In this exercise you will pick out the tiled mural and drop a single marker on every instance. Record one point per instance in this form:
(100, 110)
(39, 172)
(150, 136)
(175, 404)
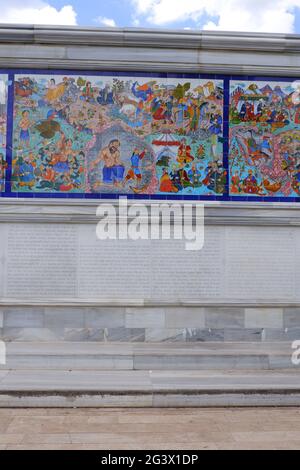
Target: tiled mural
(104, 134)
(264, 139)
(118, 134)
(3, 120)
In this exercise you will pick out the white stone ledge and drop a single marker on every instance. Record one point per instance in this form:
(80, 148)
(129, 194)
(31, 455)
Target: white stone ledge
(177, 39)
(247, 303)
(84, 211)
(133, 66)
(148, 50)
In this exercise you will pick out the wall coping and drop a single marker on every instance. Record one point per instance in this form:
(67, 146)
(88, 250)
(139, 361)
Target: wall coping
(159, 38)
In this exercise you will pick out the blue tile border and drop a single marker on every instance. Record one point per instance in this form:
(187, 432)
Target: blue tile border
(56, 195)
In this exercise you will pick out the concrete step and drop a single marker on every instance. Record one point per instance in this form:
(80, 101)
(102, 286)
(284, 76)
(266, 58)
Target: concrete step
(147, 356)
(161, 388)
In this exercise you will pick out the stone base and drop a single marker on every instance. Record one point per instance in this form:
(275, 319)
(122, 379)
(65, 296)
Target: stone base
(149, 324)
(136, 389)
(144, 375)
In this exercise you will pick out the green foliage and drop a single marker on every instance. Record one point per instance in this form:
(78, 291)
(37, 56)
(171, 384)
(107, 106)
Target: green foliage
(163, 161)
(81, 82)
(181, 90)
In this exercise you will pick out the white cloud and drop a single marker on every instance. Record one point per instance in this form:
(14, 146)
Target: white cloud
(106, 21)
(231, 15)
(135, 22)
(35, 12)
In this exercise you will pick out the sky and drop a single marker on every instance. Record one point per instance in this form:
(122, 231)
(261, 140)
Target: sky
(272, 16)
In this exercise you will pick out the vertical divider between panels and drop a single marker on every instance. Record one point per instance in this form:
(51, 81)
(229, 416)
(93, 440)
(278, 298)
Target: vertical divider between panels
(226, 134)
(9, 132)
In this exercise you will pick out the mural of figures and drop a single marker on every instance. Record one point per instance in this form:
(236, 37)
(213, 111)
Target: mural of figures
(264, 158)
(118, 134)
(3, 120)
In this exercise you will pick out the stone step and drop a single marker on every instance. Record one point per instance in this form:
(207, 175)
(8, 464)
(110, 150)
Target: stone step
(147, 356)
(164, 388)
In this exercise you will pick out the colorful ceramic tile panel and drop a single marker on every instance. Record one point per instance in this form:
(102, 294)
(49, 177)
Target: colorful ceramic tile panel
(3, 121)
(118, 134)
(264, 159)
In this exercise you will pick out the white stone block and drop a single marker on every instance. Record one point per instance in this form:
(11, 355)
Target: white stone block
(263, 317)
(144, 318)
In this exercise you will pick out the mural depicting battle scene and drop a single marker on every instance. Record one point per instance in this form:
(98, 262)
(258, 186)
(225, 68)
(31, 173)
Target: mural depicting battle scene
(264, 158)
(118, 134)
(3, 118)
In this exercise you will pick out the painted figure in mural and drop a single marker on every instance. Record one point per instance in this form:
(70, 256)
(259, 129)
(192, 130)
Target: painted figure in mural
(3, 166)
(142, 91)
(166, 184)
(194, 112)
(184, 152)
(25, 124)
(159, 110)
(105, 96)
(54, 92)
(62, 159)
(184, 177)
(26, 171)
(195, 176)
(215, 130)
(88, 92)
(24, 87)
(2, 135)
(216, 177)
(134, 172)
(113, 169)
(235, 183)
(250, 185)
(181, 110)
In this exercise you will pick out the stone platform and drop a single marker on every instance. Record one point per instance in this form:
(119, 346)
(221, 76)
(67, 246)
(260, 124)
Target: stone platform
(115, 323)
(143, 375)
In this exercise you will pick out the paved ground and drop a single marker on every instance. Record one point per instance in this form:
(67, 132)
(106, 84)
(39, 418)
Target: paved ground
(213, 428)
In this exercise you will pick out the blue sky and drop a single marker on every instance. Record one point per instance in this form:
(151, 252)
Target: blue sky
(121, 11)
(88, 10)
(282, 16)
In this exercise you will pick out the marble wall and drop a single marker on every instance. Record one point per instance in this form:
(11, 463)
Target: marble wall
(149, 324)
(59, 262)
(58, 282)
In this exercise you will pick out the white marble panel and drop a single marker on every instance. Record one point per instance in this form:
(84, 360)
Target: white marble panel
(66, 262)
